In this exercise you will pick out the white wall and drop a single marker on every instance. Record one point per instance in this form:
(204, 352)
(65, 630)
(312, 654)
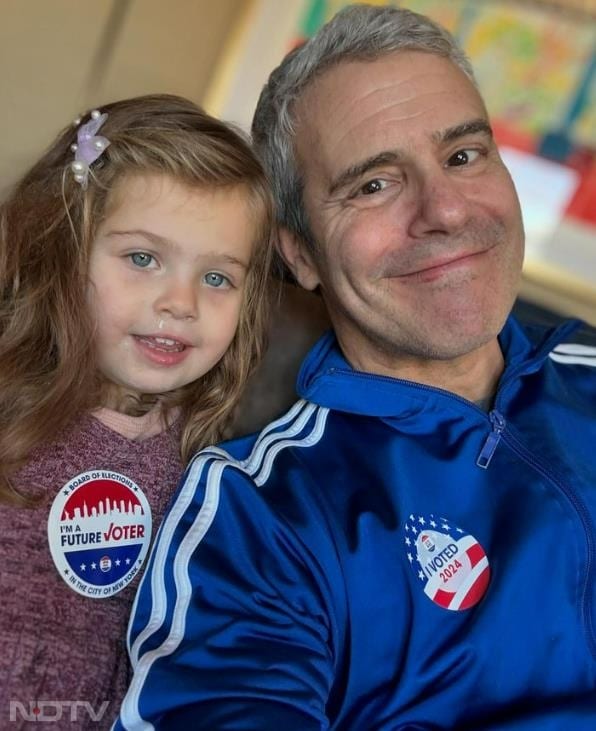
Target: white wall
(60, 57)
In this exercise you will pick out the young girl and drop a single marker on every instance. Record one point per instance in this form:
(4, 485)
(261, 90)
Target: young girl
(133, 267)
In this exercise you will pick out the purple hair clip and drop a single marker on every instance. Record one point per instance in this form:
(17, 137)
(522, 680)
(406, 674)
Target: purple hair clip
(88, 147)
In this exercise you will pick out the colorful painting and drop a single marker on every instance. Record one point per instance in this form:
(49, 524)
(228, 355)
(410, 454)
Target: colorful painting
(536, 67)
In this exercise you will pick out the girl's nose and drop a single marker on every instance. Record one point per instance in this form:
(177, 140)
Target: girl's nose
(179, 300)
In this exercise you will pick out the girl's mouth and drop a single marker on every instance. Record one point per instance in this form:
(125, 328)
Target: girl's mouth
(161, 350)
(167, 345)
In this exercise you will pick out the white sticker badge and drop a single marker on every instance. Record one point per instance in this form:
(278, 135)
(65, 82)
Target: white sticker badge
(450, 563)
(99, 530)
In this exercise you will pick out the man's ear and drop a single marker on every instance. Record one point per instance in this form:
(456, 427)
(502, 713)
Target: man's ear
(298, 258)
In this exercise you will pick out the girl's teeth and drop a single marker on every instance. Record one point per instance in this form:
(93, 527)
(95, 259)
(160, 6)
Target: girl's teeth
(163, 343)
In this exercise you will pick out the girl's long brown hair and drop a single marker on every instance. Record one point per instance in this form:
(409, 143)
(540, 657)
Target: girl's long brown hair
(47, 225)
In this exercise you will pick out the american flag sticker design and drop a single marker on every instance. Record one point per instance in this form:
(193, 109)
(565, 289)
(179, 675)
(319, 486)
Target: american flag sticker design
(450, 564)
(99, 529)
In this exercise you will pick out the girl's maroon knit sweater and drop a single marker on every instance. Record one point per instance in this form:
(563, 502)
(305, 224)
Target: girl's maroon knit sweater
(62, 627)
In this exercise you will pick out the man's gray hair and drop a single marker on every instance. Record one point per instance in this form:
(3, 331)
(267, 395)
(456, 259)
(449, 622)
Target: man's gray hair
(358, 32)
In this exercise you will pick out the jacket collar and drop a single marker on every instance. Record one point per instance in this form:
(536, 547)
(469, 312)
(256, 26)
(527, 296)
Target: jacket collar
(327, 379)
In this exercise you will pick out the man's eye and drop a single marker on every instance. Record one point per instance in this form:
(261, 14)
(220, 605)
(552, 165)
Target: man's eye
(462, 157)
(214, 279)
(141, 259)
(373, 186)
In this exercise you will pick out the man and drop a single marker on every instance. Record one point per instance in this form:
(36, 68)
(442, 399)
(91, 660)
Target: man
(412, 545)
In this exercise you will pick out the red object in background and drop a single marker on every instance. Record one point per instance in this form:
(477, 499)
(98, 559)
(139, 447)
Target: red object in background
(296, 42)
(582, 205)
(505, 134)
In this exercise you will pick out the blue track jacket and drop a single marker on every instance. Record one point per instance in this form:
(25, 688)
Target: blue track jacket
(386, 556)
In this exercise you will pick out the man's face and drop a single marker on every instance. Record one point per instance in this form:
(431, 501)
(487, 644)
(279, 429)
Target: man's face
(418, 226)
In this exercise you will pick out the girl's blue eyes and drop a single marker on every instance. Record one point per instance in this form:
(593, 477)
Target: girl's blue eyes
(213, 279)
(140, 259)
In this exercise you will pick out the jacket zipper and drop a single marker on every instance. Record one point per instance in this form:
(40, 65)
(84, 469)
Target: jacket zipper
(581, 510)
(490, 445)
(493, 439)
(496, 418)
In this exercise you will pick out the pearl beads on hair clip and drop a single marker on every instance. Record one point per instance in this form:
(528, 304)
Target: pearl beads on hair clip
(88, 147)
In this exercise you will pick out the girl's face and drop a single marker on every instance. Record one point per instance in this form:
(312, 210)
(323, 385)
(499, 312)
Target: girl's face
(167, 274)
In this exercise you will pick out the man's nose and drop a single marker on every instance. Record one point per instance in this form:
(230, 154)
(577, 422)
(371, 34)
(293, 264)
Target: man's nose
(442, 206)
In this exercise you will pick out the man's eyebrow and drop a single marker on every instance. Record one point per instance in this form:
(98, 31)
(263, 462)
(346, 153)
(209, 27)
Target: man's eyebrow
(391, 157)
(161, 240)
(472, 127)
(356, 171)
